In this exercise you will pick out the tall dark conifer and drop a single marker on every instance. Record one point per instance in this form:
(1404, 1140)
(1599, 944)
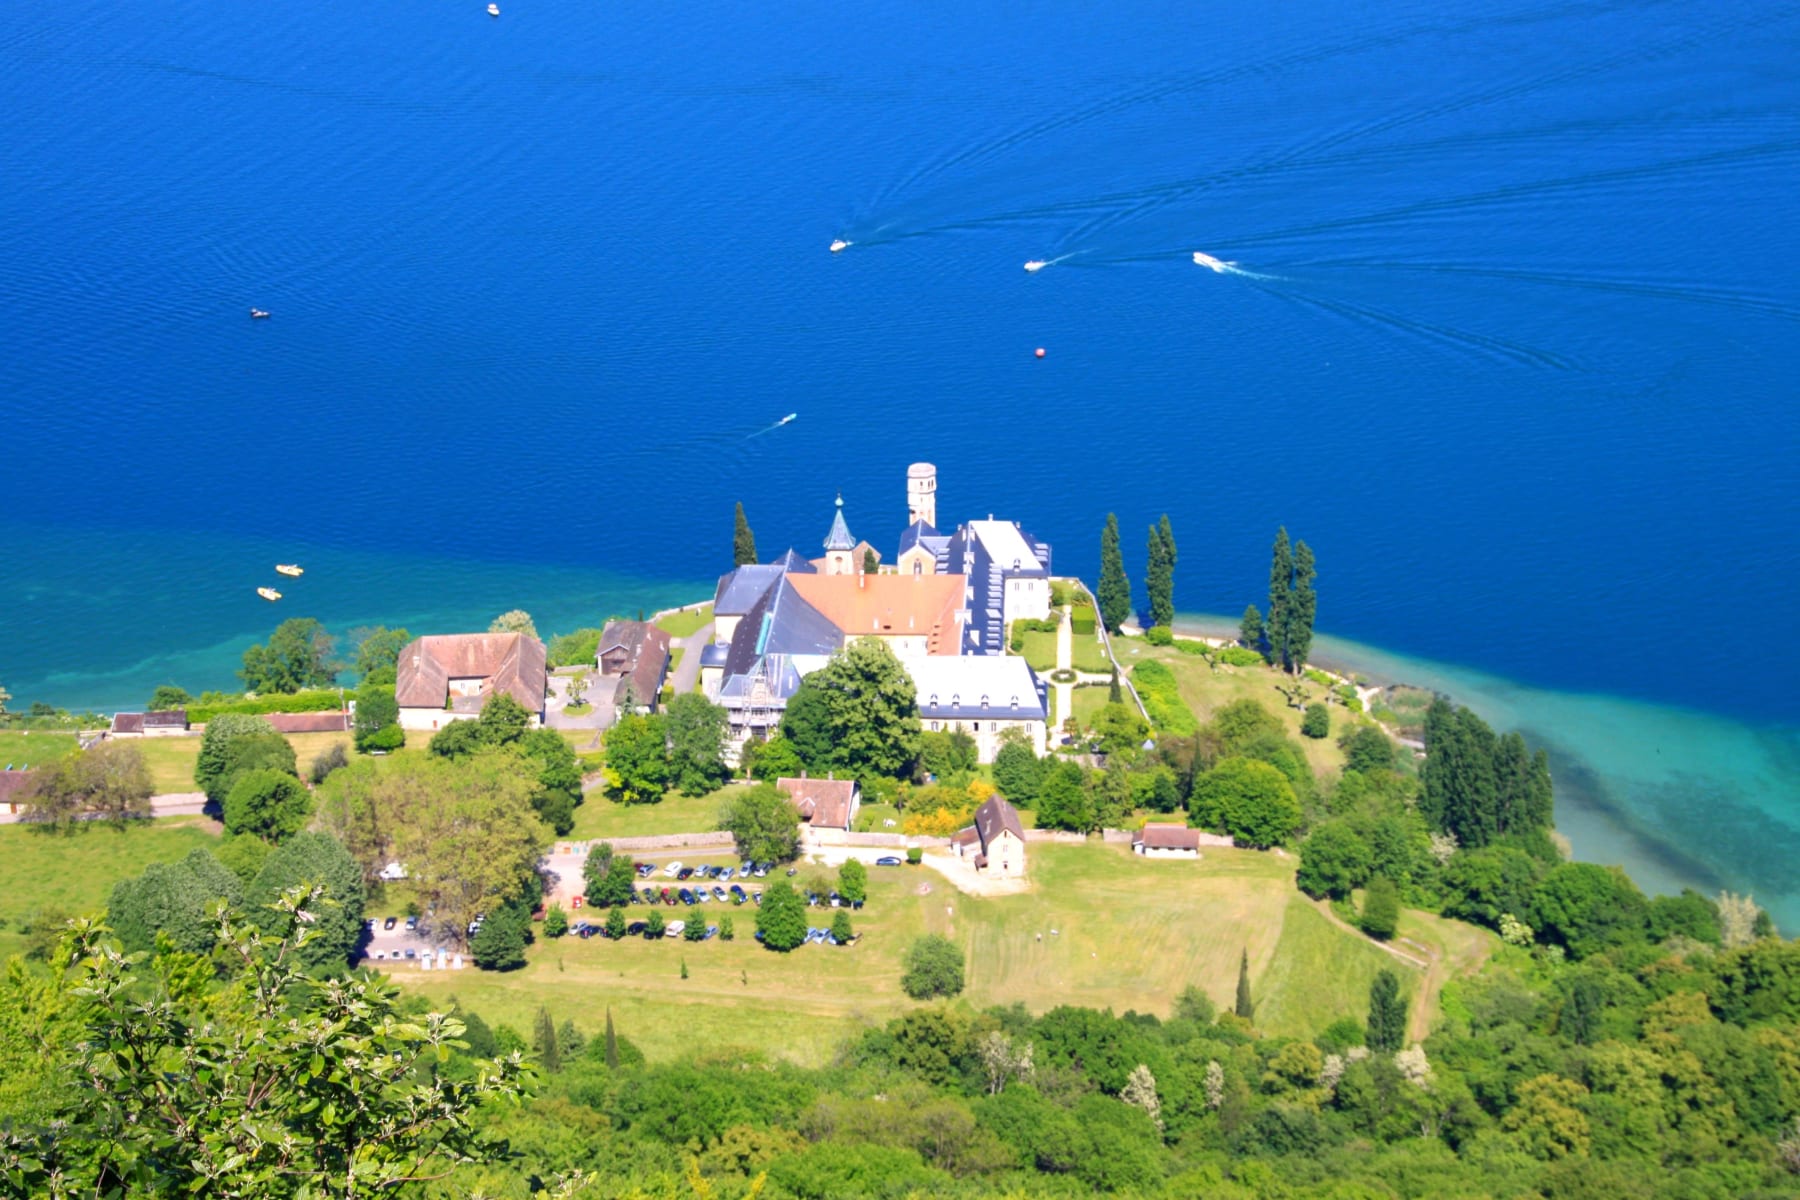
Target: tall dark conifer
(1250, 629)
(1115, 589)
(743, 542)
(612, 1041)
(1303, 606)
(549, 1055)
(1245, 1007)
(1281, 583)
(1387, 1014)
(1159, 573)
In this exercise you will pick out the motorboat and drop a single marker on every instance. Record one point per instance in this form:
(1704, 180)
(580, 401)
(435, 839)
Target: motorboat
(268, 593)
(259, 314)
(493, 10)
(293, 569)
(1202, 259)
(787, 418)
(1036, 264)
(839, 245)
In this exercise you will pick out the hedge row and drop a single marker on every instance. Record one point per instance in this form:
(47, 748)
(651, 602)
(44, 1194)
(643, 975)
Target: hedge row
(1156, 686)
(321, 700)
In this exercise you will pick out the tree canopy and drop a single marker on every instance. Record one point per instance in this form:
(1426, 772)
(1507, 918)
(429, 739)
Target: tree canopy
(107, 782)
(377, 648)
(637, 759)
(175, 900)
(314, 861)
(933, 967)
(696, 729)
(1114, 591)
(1159, 574)
(515, 620)
(269, 804)
(763, 823)
(297, 655)
(859, 713)
(743, 541)
(781, 919)
(1249, 799)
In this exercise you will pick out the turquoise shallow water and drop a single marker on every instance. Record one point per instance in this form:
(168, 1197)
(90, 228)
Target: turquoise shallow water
(1679, 797)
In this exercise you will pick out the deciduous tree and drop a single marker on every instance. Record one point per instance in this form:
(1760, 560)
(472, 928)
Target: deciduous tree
(269, 804)
(1333, 859)
(378, 647)
(1250, 799)
(1114, 592)
(514, 621)
(169, 697)
(763, 823)
(378, 712)
(1381, 908)
(853, 881)
(1018, 772)
(298, 655)
(782, 918)
(637, 760)
(213, 765)
(858, 714)
(107, 782)
(174, 899)
(775, 758)
(696, 729)
(320, 864)
(933, 967)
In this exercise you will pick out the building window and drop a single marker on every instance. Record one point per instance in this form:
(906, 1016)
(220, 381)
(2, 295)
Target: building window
(975, 726)
(984, 702)
(935, 726)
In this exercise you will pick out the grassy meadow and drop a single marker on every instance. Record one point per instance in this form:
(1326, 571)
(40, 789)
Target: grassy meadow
(685, 624)
(20, 749)
(599, 817)
(1130, 933)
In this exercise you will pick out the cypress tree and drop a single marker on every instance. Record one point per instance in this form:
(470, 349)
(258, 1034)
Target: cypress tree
(1281, 582)
(1387, 1014)
(743, 542)
(1250, 629)
(1115, 694)
(1244, 1008)
(1304, 606)
(1115, 589)
(871, 565)
(612, 1044)
(548, 1055)
(1162, 594)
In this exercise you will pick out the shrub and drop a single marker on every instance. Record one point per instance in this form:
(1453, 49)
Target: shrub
(915, 855)
(576, 649)
(934, 967)
(1081, 621)
(1240, 656)
(840, 927)
(556, 922)
(1196, 648)
(317, 700)
(1063, 676)
(326, 761)
(1161, 695)
(1381, 908)
(388, 737)
(1159, 635)
(1317, 722)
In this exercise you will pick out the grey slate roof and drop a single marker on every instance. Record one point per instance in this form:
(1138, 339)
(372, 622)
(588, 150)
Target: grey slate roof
(921, 531)
(780, 622)
(739, 591)
(782, 673)
(793, 564)
(839, 538)
(995, 817)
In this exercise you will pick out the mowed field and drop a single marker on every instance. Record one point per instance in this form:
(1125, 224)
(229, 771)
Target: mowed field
(76, 873)
(1129, 933)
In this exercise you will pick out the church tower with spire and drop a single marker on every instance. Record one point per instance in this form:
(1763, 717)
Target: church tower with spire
(839, 545)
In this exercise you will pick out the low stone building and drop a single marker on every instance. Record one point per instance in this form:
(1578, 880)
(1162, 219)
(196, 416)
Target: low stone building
(633, 657)
(14, 786)
(171, 723)
(827, 803)
(1166, 841)
(451, 676)
(312, 722)
(995, 842)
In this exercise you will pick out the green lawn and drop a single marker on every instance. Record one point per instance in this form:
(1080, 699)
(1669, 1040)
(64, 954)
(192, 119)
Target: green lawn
(20, 749)
(1040, 651)
(1130, 933)
(76, 873)
(1086, 701)
(1205, 691)
(869, 818)
(1088, 654)
(685, 624)
(171, 759)
(600, 817)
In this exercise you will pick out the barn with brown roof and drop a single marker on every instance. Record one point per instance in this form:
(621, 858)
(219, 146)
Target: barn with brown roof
(170, 723)
(633, 657)
(450, 676)
(312, 722)
(1166, 841)
(13, 788)
(824, 803)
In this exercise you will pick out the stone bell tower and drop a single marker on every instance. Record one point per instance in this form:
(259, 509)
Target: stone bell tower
(921, 494)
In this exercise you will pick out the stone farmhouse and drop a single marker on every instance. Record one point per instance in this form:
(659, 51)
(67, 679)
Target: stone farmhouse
(451, 676)
(633, 659)
(943, 608)
(995, 843)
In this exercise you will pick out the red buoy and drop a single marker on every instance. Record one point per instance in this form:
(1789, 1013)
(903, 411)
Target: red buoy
(1040, 352)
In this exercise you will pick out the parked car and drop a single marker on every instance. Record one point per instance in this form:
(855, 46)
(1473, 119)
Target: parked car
(668, 897)
(701, 895)
(719, 894)
(687, 897)
(411, 953)
(836, 900)
(635, 929)
(761, 869)
(712, 931)
(673, 870)
(737, 894)
(744, 869)
(390, 922)
(887, 860)
(685, 873)
(725, 873)
(369, 924)
(412, 923)
(644, 870)
(674, 929)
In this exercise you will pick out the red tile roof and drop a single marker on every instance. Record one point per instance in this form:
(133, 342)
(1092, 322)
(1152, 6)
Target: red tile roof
(823, 803)
(13, 785)
(1168, 837)
(314, 722)
(505, 662)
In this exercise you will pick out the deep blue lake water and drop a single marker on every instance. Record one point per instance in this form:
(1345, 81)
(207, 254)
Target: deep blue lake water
(1510, 339)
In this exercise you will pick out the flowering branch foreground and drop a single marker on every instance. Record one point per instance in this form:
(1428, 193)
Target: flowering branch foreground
(268, 1084)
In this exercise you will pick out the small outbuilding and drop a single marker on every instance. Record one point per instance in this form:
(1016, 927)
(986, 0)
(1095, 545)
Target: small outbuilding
(996, 841)
(1166, 841)
(824, 803)
(169, 723)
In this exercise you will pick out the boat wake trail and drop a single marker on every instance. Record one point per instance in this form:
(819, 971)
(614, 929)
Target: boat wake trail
(772, 428)
(1220, 267)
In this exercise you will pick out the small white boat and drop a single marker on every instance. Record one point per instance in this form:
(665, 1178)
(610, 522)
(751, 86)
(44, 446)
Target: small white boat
(493, 10)
(1036, 264)
(1206, 260)
(259, 314)
(268, 593)
(290, 569)
(839, 245)
(787, 418)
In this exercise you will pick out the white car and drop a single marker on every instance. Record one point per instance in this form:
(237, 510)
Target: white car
(674, 928)
(672, 870)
